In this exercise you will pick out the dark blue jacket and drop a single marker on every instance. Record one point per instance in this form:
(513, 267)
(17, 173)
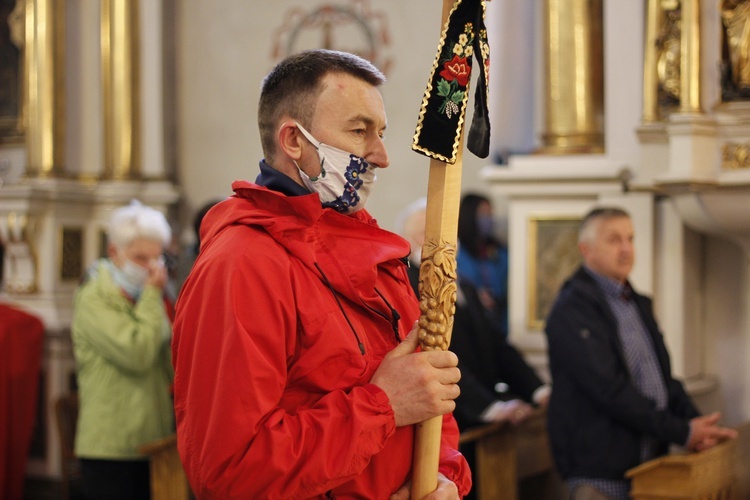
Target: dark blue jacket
(596, 415)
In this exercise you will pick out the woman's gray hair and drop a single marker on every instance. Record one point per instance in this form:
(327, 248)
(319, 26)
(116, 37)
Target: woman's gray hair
(135, 221)
(587, 229)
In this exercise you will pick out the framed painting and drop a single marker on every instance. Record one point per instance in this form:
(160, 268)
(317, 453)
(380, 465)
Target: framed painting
(11, 71)
(553, 256)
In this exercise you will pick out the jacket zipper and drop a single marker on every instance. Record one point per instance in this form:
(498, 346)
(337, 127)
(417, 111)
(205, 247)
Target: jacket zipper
(395, 316)
(343, 311)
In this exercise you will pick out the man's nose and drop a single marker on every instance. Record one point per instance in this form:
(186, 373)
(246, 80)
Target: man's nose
(378, 155)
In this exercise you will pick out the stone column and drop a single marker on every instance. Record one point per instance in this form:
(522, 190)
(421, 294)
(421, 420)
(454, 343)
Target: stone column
(574, 83)
(120, 66)
(152, 89)
(44, 60)
(512, 31)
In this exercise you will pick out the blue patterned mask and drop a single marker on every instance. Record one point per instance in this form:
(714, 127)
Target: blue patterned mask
(345, 179)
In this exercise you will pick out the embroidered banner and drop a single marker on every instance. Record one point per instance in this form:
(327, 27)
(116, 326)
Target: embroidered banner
(441, 116)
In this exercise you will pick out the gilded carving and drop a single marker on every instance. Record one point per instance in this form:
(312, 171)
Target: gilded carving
(437, 292)
(668, 54)
(735, 15)
(735, 156)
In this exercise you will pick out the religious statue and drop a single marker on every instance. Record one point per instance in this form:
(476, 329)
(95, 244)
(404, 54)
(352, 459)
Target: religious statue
(668, 54)
(19, 260)
(735, 15)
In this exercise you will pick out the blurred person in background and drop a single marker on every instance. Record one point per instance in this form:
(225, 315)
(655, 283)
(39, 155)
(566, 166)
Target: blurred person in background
(615, 403)
(121, 336)
(482, 259)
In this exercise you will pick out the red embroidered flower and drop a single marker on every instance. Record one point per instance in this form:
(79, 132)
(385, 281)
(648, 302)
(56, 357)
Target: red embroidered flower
(457, 69)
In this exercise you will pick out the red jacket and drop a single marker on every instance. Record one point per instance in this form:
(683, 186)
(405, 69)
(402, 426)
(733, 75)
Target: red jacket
(286, 315)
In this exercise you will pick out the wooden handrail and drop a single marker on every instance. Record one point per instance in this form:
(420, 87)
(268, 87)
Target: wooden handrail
(506, 454)
(719, 472)
(159, 445)
(168, 480)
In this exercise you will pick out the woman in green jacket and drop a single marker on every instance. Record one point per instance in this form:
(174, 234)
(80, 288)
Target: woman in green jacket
(121, 334)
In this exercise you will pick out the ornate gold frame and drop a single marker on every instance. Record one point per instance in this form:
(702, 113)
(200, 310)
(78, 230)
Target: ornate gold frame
(552, 256)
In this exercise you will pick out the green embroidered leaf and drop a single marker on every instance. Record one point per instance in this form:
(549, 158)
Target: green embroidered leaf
(444, 88)
(458, 96)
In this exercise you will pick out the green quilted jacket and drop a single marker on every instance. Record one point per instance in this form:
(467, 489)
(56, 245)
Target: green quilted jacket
(124, 369)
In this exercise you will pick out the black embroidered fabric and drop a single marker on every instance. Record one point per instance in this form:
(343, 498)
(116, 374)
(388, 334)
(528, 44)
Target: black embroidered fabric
(441, 116)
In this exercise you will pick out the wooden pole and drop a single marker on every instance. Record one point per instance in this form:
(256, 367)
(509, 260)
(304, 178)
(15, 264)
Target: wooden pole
(437, 293)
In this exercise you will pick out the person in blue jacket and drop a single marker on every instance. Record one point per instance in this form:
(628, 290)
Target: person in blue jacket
(482, 258)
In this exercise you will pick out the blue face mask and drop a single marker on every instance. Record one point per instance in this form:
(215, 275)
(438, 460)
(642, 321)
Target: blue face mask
(485, 225)
(130, 277)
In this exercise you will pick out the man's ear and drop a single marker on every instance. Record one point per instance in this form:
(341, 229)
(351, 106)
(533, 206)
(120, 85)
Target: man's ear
(290, 140)
(584, 249)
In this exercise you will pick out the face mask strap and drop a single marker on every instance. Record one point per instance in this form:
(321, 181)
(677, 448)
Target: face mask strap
(316, 144)
(309, 136)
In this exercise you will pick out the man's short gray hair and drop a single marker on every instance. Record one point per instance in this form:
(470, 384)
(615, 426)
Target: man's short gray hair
(587, 229)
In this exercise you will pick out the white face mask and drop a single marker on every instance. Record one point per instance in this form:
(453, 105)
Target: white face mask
(130, 277)
(345, 179)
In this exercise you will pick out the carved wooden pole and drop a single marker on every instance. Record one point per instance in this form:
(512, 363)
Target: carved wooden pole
(440, 136)
(437, 285)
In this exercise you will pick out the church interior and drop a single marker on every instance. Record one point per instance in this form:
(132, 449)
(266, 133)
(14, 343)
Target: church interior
(643, 104)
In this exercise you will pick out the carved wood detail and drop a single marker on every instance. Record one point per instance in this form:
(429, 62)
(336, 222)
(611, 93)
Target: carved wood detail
(437, 294)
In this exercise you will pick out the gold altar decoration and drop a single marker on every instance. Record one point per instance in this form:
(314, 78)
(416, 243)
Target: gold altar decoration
(735, 156)
(574, 93)
(120, 64)
(671, 73)
(690, 57)
(44, 63)
(669, 54)
(735, 16)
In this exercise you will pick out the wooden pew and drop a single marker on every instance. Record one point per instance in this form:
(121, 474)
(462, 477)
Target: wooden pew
(168, 480)
(720, 473)
(514, 462)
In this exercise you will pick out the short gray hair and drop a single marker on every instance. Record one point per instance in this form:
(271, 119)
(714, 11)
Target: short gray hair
(588, 225)
(135, 221)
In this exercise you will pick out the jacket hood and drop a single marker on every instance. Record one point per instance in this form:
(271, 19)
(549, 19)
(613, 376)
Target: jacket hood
(344, 250)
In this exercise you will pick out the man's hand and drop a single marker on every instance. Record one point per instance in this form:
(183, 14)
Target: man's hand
(514, 411)
(705, 433)
(419, 385)
(446, 490)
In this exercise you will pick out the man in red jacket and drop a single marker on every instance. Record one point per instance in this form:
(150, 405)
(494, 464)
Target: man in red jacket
(297, 373)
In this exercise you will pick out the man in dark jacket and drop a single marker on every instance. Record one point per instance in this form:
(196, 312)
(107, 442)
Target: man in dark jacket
(615, 403)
